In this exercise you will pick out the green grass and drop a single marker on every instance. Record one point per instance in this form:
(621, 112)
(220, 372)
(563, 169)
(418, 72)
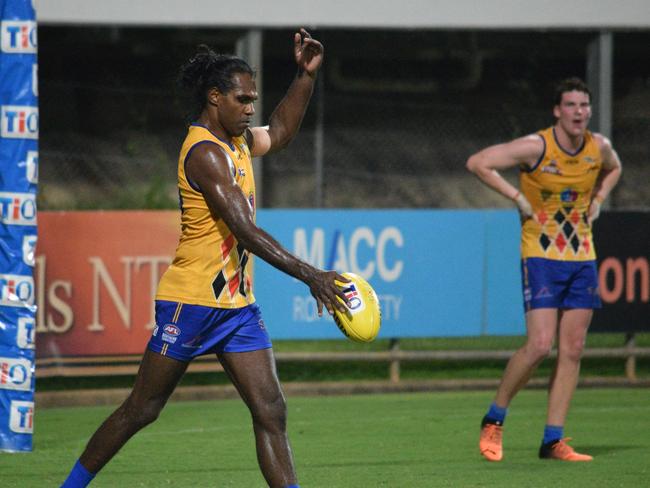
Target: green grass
(400, 440)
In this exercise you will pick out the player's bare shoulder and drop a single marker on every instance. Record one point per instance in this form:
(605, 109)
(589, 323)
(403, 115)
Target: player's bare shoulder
(604, 144)
(601, 140)
(209, 163)
(529, 149)
(608, 154)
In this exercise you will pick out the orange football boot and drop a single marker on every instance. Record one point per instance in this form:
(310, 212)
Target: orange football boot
(490, 442)
(562, 451)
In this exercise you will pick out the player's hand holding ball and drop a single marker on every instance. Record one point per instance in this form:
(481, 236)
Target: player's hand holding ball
(362, 318)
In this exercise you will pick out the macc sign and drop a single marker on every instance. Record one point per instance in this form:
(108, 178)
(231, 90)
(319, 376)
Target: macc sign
(346, 253)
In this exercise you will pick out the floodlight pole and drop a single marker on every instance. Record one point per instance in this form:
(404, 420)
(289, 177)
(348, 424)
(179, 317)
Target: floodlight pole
(249, 47)
(599, 79)
(600, 54)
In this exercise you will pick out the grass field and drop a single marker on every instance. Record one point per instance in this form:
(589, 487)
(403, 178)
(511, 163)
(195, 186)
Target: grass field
(399, 440)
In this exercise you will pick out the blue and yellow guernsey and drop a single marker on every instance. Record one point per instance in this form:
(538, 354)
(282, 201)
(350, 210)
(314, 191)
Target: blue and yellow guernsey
(559, 188)
(209, 267)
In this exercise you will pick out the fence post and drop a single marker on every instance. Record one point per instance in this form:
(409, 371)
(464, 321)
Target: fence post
(394, 363)
(630, 362)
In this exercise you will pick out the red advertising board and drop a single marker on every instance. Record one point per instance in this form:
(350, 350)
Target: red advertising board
(96, 275)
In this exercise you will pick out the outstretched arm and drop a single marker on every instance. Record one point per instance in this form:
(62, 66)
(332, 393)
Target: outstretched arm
(486, 165)
(287, 116)
(209, 168)
(608, 177)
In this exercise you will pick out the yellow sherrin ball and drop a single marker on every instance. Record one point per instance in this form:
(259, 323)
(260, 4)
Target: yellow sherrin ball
(362, 319)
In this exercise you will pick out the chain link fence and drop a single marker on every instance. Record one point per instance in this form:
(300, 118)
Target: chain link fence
(399, 115)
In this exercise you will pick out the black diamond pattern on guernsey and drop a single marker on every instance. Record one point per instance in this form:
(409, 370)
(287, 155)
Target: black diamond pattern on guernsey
(575, 244)
(585, 218)
(544, 241)
(559, 217)
(567, 228)
(567, 210)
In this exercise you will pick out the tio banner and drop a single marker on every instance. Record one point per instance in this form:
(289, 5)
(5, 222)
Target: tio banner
(18, 181)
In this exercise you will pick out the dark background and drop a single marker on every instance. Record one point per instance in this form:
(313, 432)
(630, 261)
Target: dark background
(402, 111)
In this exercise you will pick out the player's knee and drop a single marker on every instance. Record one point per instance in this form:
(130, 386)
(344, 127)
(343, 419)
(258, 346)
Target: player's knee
(150, 413)
(573, 351)
(144, 413)
(539, 348)
(272, 415)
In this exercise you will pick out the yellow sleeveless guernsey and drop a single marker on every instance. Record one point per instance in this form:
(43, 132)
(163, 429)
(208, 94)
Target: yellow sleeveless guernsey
(209, 267)
(559, 189)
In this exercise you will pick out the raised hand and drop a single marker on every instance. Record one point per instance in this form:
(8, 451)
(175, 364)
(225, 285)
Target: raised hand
(309, 53)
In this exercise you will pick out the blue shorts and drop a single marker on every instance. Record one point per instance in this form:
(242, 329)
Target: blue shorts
(184, 331)
(548, 283)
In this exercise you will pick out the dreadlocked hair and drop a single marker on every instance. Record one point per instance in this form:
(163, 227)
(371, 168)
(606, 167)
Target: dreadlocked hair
(205, 70)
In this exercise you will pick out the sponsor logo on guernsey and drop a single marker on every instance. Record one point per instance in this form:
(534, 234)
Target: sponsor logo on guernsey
(17, 208)
(19, 36)
(551, 168)
(569, 195)
(572, 161)
(170, 333)
(21, 417)
(589, 159)
(546, 194)
(15, 374)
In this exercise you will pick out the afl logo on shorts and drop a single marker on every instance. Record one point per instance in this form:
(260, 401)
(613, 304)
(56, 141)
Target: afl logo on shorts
(170, 333)
(172, 330)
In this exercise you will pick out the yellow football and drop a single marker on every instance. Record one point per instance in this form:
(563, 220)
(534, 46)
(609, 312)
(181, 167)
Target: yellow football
(362, 319)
